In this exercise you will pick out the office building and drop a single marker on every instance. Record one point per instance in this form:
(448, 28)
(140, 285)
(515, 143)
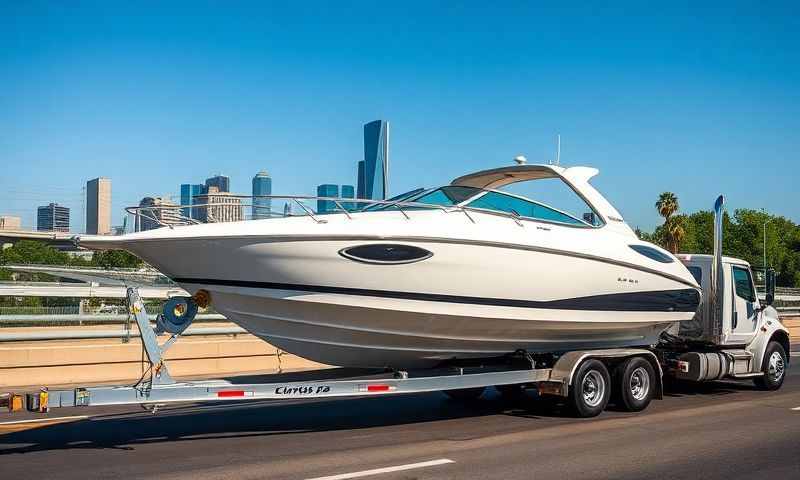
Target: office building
(262, 185)
(360, 188)
(327, 190)
(222, 182)
(10, 222)
(221, 206)
(347, 191)
(375, 173)
(157, 217)
(98, 206)
(188, 192)
(52, 218)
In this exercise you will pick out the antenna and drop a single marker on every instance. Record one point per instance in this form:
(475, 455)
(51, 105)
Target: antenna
(558, 149)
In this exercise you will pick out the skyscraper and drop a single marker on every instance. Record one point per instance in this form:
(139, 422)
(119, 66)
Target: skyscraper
(188, 192)
(376, 160)
(349, 192)
(262, 185)
(157, 217)
(52, 218)
(10, 222)
(222, 206)
(327, 190)
(360, 192)
(222, 182)
(98, 206)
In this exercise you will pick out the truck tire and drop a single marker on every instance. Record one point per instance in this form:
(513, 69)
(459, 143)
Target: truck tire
(773, 366)
(590, 389)
(465, 394)
(634, 384)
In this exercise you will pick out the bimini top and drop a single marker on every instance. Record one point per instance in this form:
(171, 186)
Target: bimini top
(498, 177)
(576, 177)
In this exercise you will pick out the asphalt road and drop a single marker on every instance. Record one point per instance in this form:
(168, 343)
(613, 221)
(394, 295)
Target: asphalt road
(722, 430)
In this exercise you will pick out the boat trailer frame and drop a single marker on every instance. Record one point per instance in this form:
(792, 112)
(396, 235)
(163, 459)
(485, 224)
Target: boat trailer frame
(157, 387)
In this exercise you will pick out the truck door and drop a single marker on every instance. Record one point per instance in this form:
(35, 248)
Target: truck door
(745, 303)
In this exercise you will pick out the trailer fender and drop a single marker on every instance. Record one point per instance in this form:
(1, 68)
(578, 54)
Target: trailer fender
(566, 366)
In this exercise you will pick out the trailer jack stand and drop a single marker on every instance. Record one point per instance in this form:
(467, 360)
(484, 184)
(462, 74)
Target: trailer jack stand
(155, 352)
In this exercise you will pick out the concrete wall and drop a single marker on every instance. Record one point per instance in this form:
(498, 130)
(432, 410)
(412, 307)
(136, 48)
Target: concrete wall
(63, 362)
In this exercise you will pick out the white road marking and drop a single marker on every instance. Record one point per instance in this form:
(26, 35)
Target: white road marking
(376, 471)
(42, 420)
(796, 409)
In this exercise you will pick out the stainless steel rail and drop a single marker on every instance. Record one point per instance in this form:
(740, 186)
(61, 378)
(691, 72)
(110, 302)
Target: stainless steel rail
(149, 212)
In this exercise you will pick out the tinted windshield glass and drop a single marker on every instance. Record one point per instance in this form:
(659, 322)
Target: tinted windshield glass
(558, 196)
(446, 196)
(522, 207)
(397, 198)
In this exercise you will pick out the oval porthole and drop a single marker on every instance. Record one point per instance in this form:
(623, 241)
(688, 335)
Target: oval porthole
(385, 253)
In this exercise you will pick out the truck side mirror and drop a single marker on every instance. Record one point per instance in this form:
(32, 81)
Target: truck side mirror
(770, 287)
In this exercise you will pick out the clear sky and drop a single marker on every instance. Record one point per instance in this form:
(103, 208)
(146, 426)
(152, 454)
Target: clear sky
(698, 100)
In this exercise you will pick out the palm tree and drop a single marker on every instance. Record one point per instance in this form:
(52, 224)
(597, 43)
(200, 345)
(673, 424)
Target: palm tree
(667, 205)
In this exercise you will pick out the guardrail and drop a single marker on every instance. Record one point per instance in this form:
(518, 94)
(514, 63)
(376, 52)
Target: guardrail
(121, 334)
(109, 318)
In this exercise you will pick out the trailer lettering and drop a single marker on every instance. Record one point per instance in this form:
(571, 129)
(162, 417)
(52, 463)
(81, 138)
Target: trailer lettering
(302, 390)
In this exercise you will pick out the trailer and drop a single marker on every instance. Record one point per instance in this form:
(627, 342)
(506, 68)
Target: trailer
(734, 336)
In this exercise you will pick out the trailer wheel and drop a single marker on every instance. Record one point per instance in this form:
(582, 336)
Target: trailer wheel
(590, 389)
(634, 382)
(774, 368)
(465, 394)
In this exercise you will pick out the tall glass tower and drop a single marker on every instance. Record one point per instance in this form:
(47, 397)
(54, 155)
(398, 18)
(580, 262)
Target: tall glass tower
(188, 192)
(262, 185)
(376, 160)
(327, 190)
(222, 182)
(349, 192)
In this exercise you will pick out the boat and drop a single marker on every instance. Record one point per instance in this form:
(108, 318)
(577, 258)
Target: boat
(465, 271)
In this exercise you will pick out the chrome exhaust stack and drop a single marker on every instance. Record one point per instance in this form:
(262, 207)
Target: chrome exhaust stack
(717, 284)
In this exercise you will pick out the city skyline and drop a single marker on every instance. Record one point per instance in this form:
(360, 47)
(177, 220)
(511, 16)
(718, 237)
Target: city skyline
(149, 104)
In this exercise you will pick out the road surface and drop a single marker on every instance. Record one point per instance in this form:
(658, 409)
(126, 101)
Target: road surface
(722, 430)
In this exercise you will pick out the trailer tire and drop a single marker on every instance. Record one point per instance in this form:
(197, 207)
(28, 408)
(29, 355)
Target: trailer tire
(634, 384)
(590, 389)
(465, 394)
(773, 366)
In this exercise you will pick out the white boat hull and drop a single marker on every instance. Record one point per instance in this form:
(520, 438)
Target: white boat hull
(469, 299)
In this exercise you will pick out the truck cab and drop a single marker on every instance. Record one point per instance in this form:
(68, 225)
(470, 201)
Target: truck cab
(736, 337)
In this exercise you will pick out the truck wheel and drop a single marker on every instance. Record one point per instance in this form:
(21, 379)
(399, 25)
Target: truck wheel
(590, 389)
(465, 394)
(634, 382)
(774, 368)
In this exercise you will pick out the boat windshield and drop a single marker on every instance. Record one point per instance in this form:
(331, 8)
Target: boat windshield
(579, 214)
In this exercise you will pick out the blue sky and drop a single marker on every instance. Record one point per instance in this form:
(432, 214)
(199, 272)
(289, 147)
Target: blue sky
(697, 100)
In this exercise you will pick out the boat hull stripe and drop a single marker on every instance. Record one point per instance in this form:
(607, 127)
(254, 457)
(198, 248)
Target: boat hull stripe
(683, 300)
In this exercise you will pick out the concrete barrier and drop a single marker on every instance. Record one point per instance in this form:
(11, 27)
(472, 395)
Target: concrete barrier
(109, 361)
(793, 324)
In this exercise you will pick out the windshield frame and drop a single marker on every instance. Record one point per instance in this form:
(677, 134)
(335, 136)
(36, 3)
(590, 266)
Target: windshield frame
(406, 203)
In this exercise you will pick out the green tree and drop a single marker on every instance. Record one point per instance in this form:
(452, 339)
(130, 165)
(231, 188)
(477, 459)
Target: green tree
(673, 232)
